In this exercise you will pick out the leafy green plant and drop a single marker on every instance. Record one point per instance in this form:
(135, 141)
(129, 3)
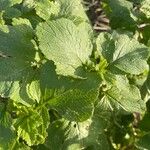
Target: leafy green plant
(63, 87)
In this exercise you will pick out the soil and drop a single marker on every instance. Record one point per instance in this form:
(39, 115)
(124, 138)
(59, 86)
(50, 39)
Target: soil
(97, 15)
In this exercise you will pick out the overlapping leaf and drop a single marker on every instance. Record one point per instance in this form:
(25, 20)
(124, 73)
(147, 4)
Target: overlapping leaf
(76, 136)
(123, 53)
(8, 140)
(73, 99)
(31, 126)
(120, 14)
(124, 95)
(17, 54)
(79, 95)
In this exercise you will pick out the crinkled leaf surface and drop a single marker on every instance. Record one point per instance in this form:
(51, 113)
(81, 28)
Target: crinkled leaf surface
(77, 102)
(121, 93)
(123, 53)
(49, 78)
(44, 112)
(145, 8)
(16, 51)
(8, 140)
(63, 134)
(73, 99)
(31, 126)
(61, 41)
(72, 9)
(46, 8)
(145, 90)
(65, 86)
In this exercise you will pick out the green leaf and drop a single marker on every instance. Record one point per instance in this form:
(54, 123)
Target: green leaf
(145, 8)
(73, 99)
(77, 103)
(120, 14)
(46, 120)
(9, 140)
(34, 90)
(28, 5)
(49, 81)
(17, 51)
(20, 93)
(19, 146)
(144, 123)
(41, 147)
(6, 137)
(123, 53)
(122, 94)
(31, 126)
(143, 143)
(8, 3)
(46, 8)
(61, 41)
(27, 26)
(42, 130)
(12, 13)
(63, 134)
(5, 118)
(72, 9)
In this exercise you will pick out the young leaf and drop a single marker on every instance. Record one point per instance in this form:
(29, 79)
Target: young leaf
(30, 126)
(35, 91)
